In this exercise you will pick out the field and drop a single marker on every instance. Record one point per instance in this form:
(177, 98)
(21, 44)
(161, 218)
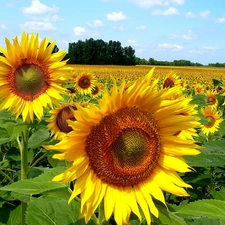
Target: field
(132, 72)
(120, 119)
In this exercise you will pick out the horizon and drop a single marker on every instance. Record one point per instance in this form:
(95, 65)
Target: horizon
(163, 30)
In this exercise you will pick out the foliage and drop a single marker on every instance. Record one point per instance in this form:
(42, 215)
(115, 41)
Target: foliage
(99, 52)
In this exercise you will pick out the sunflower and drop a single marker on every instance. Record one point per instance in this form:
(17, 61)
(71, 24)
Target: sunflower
(85, 82)
(213, 120)
(212, 100)
(30, 76)
(124, 151)
(57, 123)
(171, 80)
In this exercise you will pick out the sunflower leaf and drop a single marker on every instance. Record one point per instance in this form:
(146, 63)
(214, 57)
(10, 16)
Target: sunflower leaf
(199, 99)
(203, 221)
(220, 195)
(210, 208)
(52, 211)
(38, 137)
(15, 216)
(212, 155)
(38, 184)
(167, 217)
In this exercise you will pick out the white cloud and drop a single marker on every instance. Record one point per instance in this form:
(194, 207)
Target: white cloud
(2, 26)
(38, 8)
(190, 15)
(194, 52)
(81, 31)
(204, 14)
(173, 36)
(114, 16)
(56, 18)
(141, 27)
(168, 46)
(38, 26)
(131, 42)
(221, 20)
(152, 3)
(209, 48)
(189, 35)
(63, 44)
(168, 12)
(96, 23)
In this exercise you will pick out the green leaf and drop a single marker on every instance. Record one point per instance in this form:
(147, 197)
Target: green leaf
(38, 137)
(167, 217)
(8, 125)
(212, 155)
(213, 209)
(37, 185)
(52, 211)
(17, 129)
(222, 128)
(199, 99)
(203, 221)
(15, 216)
(217, 82)
(5, 213)
(220, 195)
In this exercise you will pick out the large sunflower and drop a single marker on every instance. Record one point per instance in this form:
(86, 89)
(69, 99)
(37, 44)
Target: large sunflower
(124, 151)
(30, 76)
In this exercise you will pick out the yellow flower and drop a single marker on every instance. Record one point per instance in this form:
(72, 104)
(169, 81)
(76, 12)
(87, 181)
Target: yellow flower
(85, 82)
(213, 120)
(124, 151)
(212, 100)
(171, 80)
(30, 76)
(57, 123)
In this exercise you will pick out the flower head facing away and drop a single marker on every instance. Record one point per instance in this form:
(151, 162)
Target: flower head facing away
(30, 76)
(124, 151)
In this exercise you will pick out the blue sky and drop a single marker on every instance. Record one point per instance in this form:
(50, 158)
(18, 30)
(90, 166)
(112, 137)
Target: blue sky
(161, 29)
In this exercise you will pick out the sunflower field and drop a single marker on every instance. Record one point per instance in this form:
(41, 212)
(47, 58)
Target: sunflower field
(97, 145)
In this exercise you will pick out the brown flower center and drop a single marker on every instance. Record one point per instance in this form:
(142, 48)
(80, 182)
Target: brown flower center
(124, 147)
(211, 100)
(65, 114)
(210, 121)
(95, 90)
(168, 83)
(29, 80)
(84, 82)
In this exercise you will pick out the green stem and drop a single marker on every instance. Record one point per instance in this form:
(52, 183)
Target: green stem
(36, 161)
(101, 214)
(24, 155)
(23, 146)
(6, 176)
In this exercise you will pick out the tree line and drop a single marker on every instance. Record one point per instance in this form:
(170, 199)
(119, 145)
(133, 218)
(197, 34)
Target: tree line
(99, 52)
(152, 61)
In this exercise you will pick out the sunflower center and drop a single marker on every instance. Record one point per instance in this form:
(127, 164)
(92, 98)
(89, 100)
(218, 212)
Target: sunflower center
(124, 147)
(211, 101)
(168, 83)
(95, 90)
(84, 82)
(28, 81)
(210, 121)
(131, 144)
(62, 117)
